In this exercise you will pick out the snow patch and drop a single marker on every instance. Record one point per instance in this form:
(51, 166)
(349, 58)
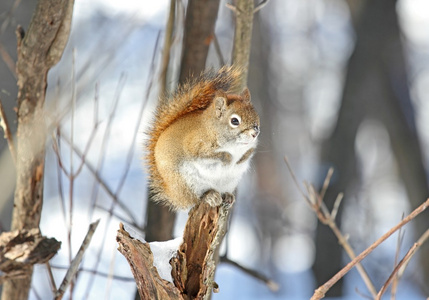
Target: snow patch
(162, 253)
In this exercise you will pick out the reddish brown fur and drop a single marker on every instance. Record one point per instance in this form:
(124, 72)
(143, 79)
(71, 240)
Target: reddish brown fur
(193, 96)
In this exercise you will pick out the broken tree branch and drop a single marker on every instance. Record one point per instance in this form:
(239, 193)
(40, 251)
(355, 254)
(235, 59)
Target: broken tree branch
(149, 284)
(194, 266)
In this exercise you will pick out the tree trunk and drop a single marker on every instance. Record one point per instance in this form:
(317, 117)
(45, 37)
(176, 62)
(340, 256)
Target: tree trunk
(200, 23)
(38, 50)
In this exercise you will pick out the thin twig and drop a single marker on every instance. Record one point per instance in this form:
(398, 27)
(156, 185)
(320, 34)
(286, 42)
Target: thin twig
(95, 272)
(56, 145)
(231, 7)
(8, 60)
(260, 6)
(118, 216)
(321, 291)
(168, 41)
(398, 249)
(103, 184)
(129, 158)
(272, 285)
(337, 204)
(423, 238)
(328, 219)
(295, 180)
(74, 267)
(51, 277)
(7, 133)
(71, 177)
(218, 50)
(407, 256)
(9, 16)
(326, 182)
(106, 136)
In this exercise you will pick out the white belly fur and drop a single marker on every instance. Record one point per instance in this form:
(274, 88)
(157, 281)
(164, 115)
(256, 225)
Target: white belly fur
(203, 174)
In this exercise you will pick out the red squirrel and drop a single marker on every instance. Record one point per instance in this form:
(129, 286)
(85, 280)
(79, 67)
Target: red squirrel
(201, 141)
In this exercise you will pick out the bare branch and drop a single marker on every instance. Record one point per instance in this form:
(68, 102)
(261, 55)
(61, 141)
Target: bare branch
(51, 277)
(260, 5)
(272, 285)
(398, 248)
(103, 184)
(424, 237)
(218, 50)
(326, 183)
(295, 180)
(71, 272)
(7, 133)
(232, 7)
(328, 219)
(9, 16)
(98, 273)
(7, 60)
(407, 256)
(321, 291)
(337, 204)
(168, 40)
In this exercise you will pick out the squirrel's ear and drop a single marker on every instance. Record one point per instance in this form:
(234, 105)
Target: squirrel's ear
(246, 95)
(220, 106)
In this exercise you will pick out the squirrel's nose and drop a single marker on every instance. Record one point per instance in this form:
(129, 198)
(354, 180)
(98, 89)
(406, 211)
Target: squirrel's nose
(256, 131)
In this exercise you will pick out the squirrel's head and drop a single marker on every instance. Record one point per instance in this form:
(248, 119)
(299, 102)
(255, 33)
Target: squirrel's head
(236, 119)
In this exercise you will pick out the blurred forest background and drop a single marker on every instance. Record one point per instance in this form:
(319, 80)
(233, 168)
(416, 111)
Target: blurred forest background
(342, 84)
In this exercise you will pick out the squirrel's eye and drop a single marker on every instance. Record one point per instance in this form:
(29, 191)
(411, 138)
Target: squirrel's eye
(235, 121)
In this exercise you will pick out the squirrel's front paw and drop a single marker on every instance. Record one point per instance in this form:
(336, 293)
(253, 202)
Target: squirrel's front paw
(212, 197)
(229, 200)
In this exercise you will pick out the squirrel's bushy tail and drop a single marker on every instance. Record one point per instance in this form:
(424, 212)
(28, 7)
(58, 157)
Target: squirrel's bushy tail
(196, 94)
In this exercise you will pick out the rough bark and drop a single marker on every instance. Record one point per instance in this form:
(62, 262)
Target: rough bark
(194, 266)
(21, 249)
(376, 87)
(242, 37)
(149, 284)
(38, 50)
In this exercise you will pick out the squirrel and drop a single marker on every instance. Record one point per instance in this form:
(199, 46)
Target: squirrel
(201, 141)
